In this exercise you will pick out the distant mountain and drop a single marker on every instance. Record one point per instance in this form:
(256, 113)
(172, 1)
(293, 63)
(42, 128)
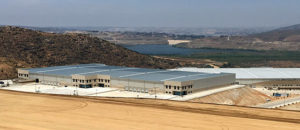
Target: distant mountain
(286, 38)
(27, 48)
(287, 34)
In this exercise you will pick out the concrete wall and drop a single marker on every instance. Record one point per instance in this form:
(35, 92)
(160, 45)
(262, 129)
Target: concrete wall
(198, 85)
(250, 81)
(137, 85)
(208, 83)
(52, 79)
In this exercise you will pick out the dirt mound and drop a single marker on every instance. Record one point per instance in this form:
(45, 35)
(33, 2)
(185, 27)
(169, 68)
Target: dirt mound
(245, 96)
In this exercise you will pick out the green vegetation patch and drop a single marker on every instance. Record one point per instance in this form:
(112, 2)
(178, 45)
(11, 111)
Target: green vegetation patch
(246, 58)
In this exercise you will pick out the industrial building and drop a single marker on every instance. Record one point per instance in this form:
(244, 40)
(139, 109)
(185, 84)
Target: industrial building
(289, 77)
(127, 78)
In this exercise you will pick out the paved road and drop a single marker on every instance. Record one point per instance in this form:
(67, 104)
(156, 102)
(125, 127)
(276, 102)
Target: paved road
(280, 103)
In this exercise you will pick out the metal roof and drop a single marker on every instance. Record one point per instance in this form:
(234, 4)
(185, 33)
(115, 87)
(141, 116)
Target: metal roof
(251, 73)
(158, 75)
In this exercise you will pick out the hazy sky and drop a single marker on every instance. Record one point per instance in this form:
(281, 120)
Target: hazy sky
(149, 13)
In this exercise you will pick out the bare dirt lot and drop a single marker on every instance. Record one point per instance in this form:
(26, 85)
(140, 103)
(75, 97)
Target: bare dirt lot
(37, 111)
(245, 96)
(295, 107)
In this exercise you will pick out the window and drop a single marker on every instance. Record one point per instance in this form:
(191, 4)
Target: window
(105, 81)
(178, 87)
(94, 80)
(174, 87)
(166, 91)
(90, 80)
(108, 81)
(167, 86)
(107, 85)
(101, 80)
(73, 80)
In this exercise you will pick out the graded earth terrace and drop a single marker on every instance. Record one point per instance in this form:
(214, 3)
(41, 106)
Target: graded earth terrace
(127, 78)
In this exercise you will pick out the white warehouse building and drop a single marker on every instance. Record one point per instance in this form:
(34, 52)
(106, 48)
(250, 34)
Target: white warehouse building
(251, 75)
(127, 78)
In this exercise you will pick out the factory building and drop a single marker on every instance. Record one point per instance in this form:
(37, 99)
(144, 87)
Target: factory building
(127, 78)
(268, 77)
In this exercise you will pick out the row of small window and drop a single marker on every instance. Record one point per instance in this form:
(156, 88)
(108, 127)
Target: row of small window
(94, 85)
(171, 92)
(286, 84)
(178, 87)
(25, 75)
(89, 81)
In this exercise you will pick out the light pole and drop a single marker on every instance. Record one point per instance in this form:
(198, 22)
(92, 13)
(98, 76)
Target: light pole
(144, 86)
(96, 92)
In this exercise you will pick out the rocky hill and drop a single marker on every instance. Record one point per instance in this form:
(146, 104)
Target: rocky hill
(286, 34)
(27, 48)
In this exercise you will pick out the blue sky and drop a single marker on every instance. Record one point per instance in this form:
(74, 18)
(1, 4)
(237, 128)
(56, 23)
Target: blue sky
(150, 13)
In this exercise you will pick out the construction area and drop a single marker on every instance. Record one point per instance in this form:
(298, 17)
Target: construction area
(254, 87)
(112, 94)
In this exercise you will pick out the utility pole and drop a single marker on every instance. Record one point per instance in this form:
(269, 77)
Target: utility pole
(128, 84)
(155, 92)
(96, 92)
(35, 86)
(144, 86)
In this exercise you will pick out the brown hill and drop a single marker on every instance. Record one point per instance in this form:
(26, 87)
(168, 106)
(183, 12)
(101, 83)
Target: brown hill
(287, 34)
(286, 38)
(27, 48)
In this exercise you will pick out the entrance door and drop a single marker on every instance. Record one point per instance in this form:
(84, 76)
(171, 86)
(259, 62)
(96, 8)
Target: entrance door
(177, 93)
(100, 85)
(85, 86)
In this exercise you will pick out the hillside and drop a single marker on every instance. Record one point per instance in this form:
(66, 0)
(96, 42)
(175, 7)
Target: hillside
(287, 34)
(27, 48)
(286, 38)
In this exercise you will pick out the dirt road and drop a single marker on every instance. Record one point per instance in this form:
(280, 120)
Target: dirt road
(36, 111)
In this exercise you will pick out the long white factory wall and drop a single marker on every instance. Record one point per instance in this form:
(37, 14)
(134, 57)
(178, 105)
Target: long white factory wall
(251, 73)
(49, 79)
(213, 82)
(134, 83)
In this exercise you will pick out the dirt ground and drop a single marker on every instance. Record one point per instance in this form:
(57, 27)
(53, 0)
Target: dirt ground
(295, 107)
(20, 110)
